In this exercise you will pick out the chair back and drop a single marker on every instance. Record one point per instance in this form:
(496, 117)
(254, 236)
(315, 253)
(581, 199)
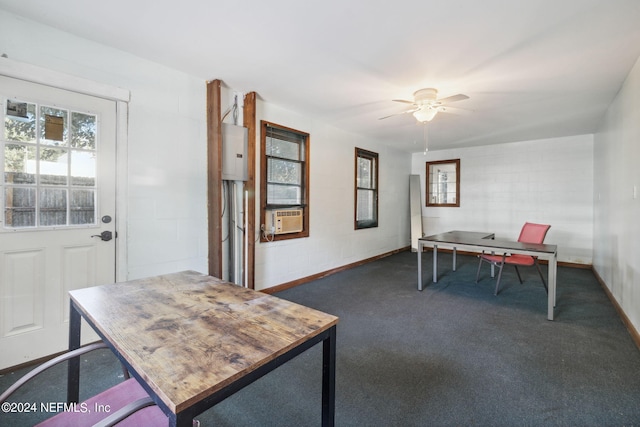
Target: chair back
(533, 233)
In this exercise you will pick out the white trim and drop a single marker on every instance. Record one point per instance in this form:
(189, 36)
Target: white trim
(44, 76)
(35, 74)
(122, 181)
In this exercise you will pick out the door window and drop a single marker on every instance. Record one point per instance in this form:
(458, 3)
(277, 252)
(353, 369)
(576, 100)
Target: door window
(49, 167)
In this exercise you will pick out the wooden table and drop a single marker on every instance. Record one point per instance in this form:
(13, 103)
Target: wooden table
(479, 242)
(192, 340)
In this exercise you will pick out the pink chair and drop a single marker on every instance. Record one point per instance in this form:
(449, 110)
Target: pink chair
(128, 403)
(530, 233)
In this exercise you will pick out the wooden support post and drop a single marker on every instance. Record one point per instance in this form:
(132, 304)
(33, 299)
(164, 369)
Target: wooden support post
(249, 121)
(214, 177)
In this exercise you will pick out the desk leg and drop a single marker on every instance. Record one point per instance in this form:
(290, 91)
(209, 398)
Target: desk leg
(329, 379)
(454, 259)
(181, 421)
(435, 263)
(551, 278)
(73, 367)
(420, 249)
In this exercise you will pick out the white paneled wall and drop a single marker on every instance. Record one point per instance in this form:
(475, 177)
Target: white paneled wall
(502, 186)
(167, 222)
(617, 198)
(549, 181)
(166, 192)
(332, 241)
(167, 172)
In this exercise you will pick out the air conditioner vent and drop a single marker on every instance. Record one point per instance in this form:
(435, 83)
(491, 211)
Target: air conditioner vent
(287, 220)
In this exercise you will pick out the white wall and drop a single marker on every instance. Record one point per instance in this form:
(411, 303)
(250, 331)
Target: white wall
(616, 241)
(502, 186)
(167, 171)
(166, 194)
(332, 241)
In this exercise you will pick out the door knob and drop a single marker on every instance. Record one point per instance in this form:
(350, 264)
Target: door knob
(105, 236)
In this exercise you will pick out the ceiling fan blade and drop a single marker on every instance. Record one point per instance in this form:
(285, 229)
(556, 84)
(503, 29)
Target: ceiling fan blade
(454, 110)
(453, 98)
(402, 100)
(399, 114)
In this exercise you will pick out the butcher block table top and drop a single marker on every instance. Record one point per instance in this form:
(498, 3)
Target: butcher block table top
(187, 336)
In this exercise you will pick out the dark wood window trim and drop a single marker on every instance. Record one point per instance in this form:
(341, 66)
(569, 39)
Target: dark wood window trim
(429, 201)
(372, 187)
(265, 209)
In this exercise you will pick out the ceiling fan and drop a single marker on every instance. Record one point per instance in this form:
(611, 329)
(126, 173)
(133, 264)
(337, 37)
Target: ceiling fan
(426, 105)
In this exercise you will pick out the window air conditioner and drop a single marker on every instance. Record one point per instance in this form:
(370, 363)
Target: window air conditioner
(286, 221)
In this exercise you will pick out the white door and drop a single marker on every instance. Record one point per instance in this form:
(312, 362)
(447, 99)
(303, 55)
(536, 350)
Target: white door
(58, 198)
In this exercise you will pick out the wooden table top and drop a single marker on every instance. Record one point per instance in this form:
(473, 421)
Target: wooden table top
(189, 335)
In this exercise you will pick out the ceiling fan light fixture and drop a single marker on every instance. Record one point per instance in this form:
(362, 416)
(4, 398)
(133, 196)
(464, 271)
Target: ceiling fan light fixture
(426, 104)
(425, 114)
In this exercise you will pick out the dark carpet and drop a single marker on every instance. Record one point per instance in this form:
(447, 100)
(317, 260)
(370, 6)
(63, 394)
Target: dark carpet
(451, 355)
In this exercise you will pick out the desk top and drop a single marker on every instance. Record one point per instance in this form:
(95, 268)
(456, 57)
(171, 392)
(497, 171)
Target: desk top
(189, 335)
(456, 236)
(485, 240)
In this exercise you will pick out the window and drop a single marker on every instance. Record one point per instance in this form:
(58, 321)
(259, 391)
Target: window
(443, 183)
(49, 170)
(284, 195)
(366, 185)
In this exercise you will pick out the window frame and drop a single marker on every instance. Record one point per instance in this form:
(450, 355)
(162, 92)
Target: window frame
(375, 158)
(304, 184)
(41, 144)
(455, 163)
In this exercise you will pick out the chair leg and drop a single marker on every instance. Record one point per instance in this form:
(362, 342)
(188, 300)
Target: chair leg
(544, 282)
(479, 266)
(504, 256)
(499, 277)
(518, 272)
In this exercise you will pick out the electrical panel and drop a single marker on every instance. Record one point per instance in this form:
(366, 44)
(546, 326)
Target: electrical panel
(234, 152)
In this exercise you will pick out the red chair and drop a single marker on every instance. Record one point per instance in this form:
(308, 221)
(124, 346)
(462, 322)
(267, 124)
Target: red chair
(128, 403)
(530, 233)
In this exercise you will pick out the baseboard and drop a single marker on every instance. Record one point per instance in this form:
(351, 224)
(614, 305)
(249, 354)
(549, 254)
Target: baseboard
(36, 362)
(317, 276)
(632, 330)
(307, 279)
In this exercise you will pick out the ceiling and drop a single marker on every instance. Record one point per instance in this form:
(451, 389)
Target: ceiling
(533, 69)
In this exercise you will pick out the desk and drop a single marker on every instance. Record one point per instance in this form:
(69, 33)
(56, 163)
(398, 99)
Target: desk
(475, 242)
(192, 340)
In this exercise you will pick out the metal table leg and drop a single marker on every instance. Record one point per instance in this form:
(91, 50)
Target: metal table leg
(329, 379)
(420, 249)
(73, 366)
(551, 278)
(454, 259)
(435, 263)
